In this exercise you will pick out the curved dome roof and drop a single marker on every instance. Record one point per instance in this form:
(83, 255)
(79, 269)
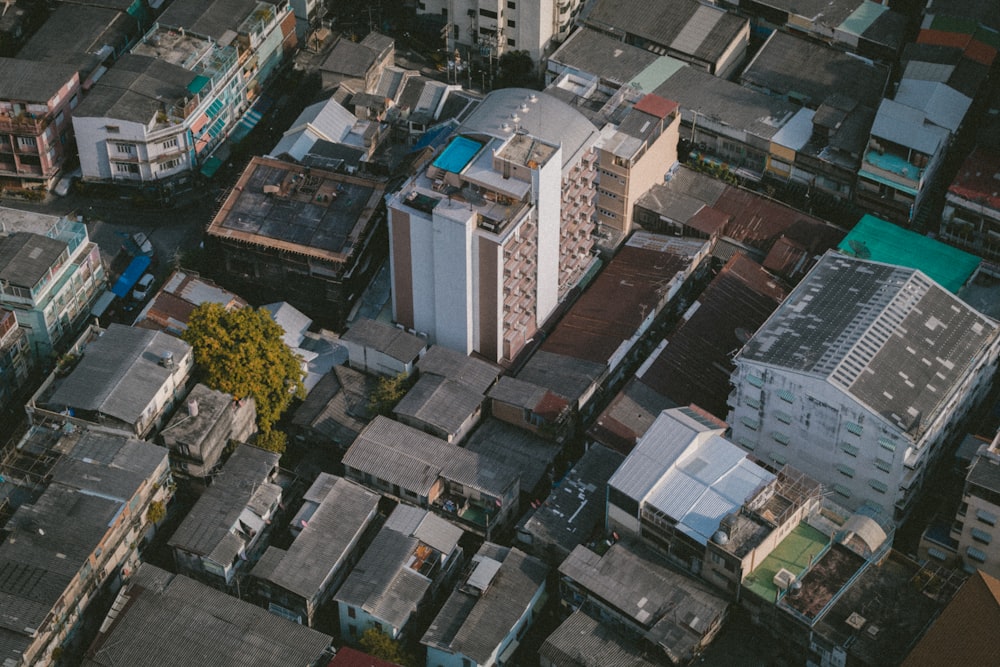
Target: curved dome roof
(539, 114)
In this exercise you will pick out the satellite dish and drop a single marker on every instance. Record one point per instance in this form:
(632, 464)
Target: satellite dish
(860, 249)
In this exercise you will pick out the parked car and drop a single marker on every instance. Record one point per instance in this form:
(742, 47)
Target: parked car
(65, 183)
(143, 287)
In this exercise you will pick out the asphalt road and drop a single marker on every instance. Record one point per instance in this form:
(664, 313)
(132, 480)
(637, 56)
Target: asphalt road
(171, 231)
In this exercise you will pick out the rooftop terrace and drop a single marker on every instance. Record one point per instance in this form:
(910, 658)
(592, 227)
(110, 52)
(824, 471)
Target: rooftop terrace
(803, 547)
(298, 209)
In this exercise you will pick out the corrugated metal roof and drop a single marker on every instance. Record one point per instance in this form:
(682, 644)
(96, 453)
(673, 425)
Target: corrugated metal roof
(440, 403)
(692, 479)
(582, 641)
(183, 622)
(942, 105)
(326, 542)
(907, 126)
(389, 340)
(451, 364)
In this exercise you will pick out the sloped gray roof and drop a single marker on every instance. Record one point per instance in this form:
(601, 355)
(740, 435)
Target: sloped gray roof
(562, 375)
(664, 602)
(582, 641)
(26, 258)
(474, 626)
(909, 127)
(382, 584)
(183, 622)
(829, 327)
(136, 89)
(476, 374)
(31, 81)
(427, 527)
(338, 406)
(57, 533)
(595, 53)
(726, 102)
(326, 542)
(387, 339)
(685, 26)
(403, 455)
(517, 392)
(522, 450)
(207, 17)
(791, 65)
(120, 373)
(439, 402)
(206, 530)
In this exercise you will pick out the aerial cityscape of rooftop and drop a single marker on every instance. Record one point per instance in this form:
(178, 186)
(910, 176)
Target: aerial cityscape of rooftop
(515, 333)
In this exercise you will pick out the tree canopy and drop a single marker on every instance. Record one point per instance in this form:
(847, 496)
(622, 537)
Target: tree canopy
(241, 352)
(382, 646)
(517, 70)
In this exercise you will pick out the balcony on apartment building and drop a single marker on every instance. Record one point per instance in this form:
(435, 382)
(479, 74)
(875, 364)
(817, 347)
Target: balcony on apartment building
(896, 164)
(23, 123)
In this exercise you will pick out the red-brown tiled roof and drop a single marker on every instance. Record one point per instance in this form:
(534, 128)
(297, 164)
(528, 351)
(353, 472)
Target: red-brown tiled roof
(966, 631)
(696, 363)
(977, 178)
(708, 220)
(349, 657)
(657, 106)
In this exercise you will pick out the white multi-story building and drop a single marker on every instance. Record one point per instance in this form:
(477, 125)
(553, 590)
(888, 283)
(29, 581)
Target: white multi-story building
(50, 276)
(860, 377)
(486, 241)
(489, 28)
(160, 112)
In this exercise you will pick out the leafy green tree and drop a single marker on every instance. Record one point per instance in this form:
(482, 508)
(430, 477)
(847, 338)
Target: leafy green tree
(388, 392)
(156, 511)
(377, 643)
(241, 352)
(273, 441)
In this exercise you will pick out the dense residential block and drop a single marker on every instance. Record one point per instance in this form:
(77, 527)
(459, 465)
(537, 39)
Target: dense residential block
(407, 563)
(860, 377)
(36, 130)
(183, 622)
(971, 217)
(76, 536)
(121, 378)
(226, 530)
(487, 240)
(496, 601)
(305, 236)
(51, 275)
(337, 519)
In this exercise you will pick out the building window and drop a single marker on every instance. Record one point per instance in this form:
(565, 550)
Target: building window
(878, 485)
(850, 450)
(111, 129)
(487, 13)
(752, 402)
(851, 427)
(510, 23)
(750, 423)
(747, 443)
(845, 470)
(27, 141)
(511, 5)
(886, 443)
(786, 395)
(170, 143)
(755, 381)
(884, 466)
(126, 168)
(986, 517)
(783, 417)
(976, 555)
(351, 612)
(169, 164)
(781, 437)
(842, 490)
(981, 536)
(127, 149)
(779, 459)
(511, 42)
(937, 554)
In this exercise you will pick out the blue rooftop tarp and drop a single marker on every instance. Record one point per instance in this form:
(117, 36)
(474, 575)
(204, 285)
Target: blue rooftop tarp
(130, 275)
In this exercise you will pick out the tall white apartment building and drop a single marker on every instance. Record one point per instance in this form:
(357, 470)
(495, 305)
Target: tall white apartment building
(486, 241)
(492, 27)
(859, 377)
